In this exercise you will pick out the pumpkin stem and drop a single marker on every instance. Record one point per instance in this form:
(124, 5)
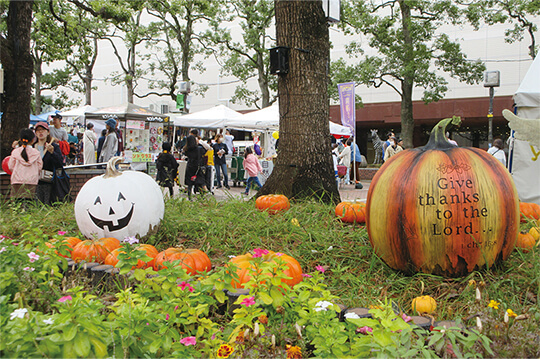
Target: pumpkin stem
(111, 170)
(437, 139)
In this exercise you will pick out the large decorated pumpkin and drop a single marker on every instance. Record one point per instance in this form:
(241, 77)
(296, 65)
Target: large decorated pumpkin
(349, 212)
(247, 265)
(272, 203)
(119, 204)
(151, 251)
(94, 250)
(192, 260)
(442, 209)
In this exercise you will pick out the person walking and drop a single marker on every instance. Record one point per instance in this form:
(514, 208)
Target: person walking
(393, 149)
(193, 179)
(220, 162)
(57, 132)
(497, 151)
(52, 160)
(209, 159)
(100, 142)
(344, 159)
(228, 139)
(387, 143)
(110, 145)
(167, 168)
(25, 165)
(89, 144)
(253, 168)
(356, 160)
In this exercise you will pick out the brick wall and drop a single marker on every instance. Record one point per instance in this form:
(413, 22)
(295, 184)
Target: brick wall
(77, 177)
(367, 174)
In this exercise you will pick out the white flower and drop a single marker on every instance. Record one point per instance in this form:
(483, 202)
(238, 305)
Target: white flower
(256, 329)
(330, 248)
(232, 256)
(351, 315)
(322, 305)
(478, 324)
(314, 251)
(31, 269)
(33, 257)
(3, 249)
(506, 317)
(48, 321)
(298, 330)
(18, 313)
(478, 294)
(131, 240)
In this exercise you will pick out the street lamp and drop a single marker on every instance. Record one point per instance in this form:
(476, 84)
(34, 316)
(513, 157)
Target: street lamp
(491, 79)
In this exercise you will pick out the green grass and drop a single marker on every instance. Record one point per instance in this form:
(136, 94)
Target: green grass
(354, 273)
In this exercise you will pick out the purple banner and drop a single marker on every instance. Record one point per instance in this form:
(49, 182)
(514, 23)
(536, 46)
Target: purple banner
(347, 105)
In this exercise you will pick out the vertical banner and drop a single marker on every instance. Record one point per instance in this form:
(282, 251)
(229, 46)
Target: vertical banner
(347, 105)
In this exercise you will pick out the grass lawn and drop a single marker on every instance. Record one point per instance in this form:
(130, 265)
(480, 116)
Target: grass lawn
(311, 233)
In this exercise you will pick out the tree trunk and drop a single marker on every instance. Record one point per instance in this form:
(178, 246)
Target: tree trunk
(88, 86)
(18, 68)
(304, 166)
(407, 84)
(263, 81)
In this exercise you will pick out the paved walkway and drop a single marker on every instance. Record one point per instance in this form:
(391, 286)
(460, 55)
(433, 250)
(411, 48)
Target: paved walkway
(347, 193)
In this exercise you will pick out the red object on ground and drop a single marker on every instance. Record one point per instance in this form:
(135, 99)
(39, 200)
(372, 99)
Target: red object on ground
(5, 165)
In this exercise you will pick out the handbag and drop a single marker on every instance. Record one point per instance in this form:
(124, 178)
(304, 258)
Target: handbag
(61, 187)
(46, 176)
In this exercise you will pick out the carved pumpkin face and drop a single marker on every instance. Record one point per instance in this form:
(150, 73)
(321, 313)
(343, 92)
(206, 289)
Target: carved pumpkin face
(119, 204)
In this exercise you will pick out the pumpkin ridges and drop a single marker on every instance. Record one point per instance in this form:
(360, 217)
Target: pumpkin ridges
(192, 260)
(94, 250)
(150, 250)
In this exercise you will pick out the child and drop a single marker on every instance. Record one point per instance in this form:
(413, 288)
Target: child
(253, 167)
(167, 168)
(25, 164)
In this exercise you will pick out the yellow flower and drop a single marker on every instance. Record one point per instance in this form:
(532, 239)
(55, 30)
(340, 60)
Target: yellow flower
(293, 352)
(295, 222)
(472, 282)
(224, 351)
(511, 313)
(494, 304)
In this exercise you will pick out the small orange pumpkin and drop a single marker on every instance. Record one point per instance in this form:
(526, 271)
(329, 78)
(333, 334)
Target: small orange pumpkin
(151, 251)
(351, 212)
(529, 211)
(192, 260)
(273, 203)
(525, 241)
(247, 265)
(424, 304)
(70, 242)
(94, 250)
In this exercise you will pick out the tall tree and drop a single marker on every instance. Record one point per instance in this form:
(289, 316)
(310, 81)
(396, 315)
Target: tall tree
(182, 40)
(520, 13)
(411, 53)
(248, 57)
(18, 68)
(303, 168)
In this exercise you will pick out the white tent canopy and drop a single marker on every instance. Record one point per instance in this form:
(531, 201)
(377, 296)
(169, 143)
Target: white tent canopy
(215, 117)
(70, 116)
(524, 168)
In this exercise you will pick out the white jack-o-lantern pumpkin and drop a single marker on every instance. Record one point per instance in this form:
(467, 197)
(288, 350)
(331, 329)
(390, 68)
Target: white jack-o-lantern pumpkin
(119, 204)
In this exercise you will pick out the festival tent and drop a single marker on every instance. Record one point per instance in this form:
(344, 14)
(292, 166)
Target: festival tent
(126, 111)
(72, 115)
(524, 160)
(215, 117)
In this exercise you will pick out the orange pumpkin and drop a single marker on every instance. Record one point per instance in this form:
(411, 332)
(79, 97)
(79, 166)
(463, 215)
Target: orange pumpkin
(247, 265)
(94, 250)
(192, 260)
(529, 211)
(70, 242)
(442, 209)
(351, 212)
(150, 250)
(525, 241)
(273, 203)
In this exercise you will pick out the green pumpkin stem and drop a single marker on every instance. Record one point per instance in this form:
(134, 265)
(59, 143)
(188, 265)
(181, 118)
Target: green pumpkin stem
(437, 139)
(111, 170)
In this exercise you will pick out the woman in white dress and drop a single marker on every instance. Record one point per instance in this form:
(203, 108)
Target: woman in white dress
(89, 144)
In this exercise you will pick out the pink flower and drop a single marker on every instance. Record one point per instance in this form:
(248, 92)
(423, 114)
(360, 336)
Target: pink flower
(188, 341)
(65, 299)
(279, 254)
(307, 275)
(147, 323)
(61, 233)
(33, 257)
(259, 252)
(185, 285)
(406, 318)
(176, 307)
(3, 249)
(167, 316)
(248, 301)
(320, 269)
(365, 330)
(2, 238)
(15, 243)
(31, 269)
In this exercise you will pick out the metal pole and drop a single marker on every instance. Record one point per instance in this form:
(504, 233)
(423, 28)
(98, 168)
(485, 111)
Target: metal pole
(490, 116)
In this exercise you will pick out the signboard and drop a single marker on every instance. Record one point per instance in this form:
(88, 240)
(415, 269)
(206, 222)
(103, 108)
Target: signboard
(136, 125)
(141, 157)
(347, 105)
